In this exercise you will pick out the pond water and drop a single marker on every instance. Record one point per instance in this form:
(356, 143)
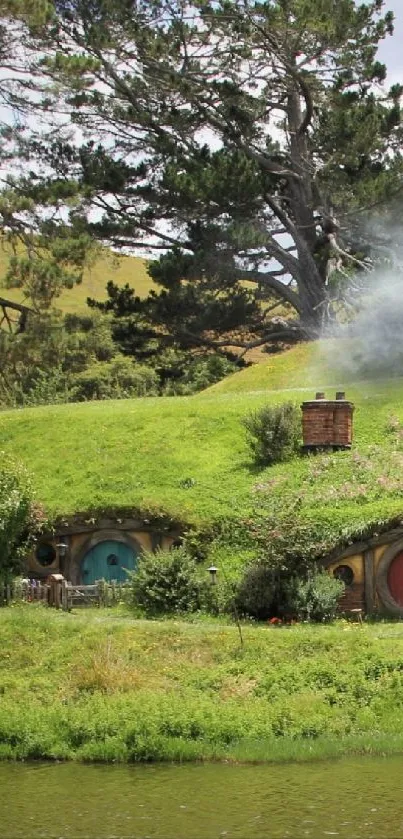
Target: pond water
(351, 798)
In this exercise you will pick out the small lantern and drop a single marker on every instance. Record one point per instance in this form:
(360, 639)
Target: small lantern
(62, 547)
(213, 573)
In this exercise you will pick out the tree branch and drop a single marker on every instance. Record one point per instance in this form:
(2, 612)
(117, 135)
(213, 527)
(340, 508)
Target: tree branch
(280, 289)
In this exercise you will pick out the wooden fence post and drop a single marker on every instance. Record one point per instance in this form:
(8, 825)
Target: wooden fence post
(113, 591)
(64, 595)
(58, 594)
(101, 591)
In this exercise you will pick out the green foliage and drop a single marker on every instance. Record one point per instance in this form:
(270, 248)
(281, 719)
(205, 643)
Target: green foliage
(184, 373)
(316, 597)
(265, 592)
(274, 433)
(57, 359)
(217, 210)
(256, 592)
(124, 689)
(19, 517)
(167, 582)
(70, 359)
(120, 378)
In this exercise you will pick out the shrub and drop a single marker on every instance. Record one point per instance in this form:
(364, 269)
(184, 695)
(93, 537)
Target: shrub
(273, 433)
(168, 581)
(263, 593)
(120, 378)
(256, 592)
(20, 518)
(316, 597)
(191, 374)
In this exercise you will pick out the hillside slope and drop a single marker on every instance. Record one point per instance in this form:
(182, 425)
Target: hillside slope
(187, 458)
(122, 270)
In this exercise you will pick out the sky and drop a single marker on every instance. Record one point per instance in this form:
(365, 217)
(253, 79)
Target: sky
(391, 49)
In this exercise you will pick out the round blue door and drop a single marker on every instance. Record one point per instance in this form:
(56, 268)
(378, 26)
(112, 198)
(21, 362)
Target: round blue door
(109, 560)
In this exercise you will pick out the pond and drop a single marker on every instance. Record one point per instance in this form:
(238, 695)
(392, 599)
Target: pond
(360, 797)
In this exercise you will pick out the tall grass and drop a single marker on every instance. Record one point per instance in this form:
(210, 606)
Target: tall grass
(101, 686)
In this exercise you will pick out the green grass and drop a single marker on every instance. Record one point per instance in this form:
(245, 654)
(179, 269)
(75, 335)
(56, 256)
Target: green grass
(140, 454)
(301, 366)
(122, 270)
(99, 685)
(312, 366)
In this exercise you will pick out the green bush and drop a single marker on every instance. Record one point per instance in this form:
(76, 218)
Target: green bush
(316, 597)
(256, 592)
(167, 582)
(264, 593)
(20, 517)
(274, 433)
(120, 378)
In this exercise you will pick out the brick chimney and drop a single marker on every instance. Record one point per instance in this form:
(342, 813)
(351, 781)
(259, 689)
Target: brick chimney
(327, 423)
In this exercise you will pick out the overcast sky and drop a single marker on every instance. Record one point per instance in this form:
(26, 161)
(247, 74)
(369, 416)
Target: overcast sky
(391, 49)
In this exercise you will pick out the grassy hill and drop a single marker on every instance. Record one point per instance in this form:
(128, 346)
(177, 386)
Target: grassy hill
(137, 690)
(187, 458)
(122, 270)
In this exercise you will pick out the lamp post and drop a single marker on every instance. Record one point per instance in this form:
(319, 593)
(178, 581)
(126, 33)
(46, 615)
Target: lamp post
(62, 548)
(213, 574)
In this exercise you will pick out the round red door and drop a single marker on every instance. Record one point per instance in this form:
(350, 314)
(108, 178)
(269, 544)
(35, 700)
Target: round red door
(395, 578)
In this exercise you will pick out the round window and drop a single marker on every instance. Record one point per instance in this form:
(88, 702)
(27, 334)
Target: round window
(345, 574)
(45, 554)
(112, 559)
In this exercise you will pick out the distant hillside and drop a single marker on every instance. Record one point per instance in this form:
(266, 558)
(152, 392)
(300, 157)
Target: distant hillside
(122, 270)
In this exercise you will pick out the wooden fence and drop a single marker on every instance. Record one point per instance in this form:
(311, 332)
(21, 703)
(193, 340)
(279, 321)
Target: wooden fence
(64, 595)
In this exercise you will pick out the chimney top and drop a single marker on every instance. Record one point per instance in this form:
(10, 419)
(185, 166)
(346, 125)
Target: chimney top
(327, 423)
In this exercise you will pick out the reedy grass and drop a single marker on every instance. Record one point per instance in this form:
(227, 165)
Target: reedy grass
(95, 685)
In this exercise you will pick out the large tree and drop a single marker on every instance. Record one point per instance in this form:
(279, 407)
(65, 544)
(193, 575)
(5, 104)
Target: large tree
(42, 230)
(243, 139)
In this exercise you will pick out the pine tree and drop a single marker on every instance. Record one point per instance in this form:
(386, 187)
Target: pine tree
(243, 139)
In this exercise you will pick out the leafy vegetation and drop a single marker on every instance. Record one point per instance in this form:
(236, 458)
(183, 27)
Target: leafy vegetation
(87, 686)
(168, 582)
(74, 358)
(274, 433)
(20, 518)
(288, 591)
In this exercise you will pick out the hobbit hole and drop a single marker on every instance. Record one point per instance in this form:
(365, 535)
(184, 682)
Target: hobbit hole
(106, 549)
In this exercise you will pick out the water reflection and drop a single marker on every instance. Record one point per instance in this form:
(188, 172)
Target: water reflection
(351, 798)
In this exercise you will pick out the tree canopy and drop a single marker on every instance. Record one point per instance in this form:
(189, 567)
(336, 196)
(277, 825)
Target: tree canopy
(241, 140)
